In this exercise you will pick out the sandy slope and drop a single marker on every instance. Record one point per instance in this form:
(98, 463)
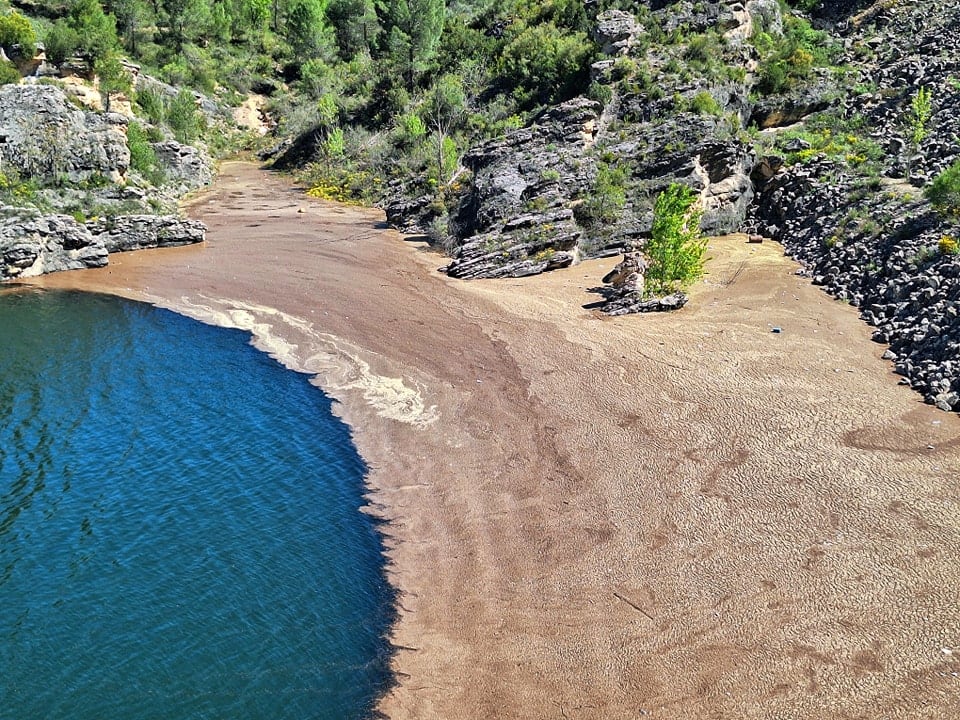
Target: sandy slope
(678, 516)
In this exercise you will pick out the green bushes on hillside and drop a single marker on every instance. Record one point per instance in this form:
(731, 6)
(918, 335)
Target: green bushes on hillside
(543, 64)
(8, 73)
(17, 35)
(944, 192)
(784, 61)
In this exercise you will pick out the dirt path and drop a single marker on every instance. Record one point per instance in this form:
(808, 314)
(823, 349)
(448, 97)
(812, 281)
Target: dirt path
(677, 516)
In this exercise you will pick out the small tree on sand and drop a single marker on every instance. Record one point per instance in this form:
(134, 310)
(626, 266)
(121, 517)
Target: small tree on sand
(676, 247)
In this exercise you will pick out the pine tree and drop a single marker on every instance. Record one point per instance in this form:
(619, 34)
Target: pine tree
(96, 30)
(306, 23)
(113, 78)
(413, 30)
(186, 20)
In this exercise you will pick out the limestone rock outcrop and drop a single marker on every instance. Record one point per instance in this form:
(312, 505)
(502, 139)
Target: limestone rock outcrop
(140, 232)
(45, 244)
(45, 137)
(35, 244)
(186, 167)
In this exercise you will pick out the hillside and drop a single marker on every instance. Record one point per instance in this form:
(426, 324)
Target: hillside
(526, 136)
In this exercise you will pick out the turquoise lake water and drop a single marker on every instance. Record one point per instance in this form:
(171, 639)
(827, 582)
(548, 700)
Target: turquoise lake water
(179, 526)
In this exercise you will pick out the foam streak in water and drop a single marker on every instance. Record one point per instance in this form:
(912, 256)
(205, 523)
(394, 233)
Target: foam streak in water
(339, 365)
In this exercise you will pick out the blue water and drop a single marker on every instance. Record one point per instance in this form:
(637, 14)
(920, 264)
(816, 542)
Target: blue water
(179, 525)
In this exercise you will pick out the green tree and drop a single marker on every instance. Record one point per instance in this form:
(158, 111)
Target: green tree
(354, 25)
(113, 78)
(443, 110)
(413, 29)
(186, 20)
(545, 64)
(306, 26)
(17, 35)
(921, 110)
(250, 18)
(676, 247)
(184, 118)
(131, 16)
(96, 30)
(61, 42)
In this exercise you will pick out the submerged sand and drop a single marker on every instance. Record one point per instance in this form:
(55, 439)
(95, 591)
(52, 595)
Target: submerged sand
(675, 516)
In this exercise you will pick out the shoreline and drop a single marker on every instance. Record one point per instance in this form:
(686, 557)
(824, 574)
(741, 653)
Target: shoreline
(680, 515)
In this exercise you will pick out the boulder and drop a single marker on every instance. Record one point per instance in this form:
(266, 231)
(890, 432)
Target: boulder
(47, 243)
(186, 167)
(138, 232)
(616, 31)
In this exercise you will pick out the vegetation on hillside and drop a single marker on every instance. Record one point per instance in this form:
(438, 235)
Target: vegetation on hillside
(386, 96)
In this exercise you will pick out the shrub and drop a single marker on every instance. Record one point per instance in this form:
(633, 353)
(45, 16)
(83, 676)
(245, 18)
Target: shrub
(151, 105)
(920, 112)
(676, 248)
(334, 146)
(184, 118)
(787, 60)
(546, 65)
(944, 192)
(8, 73)
(603, 94)
(948, 245)
(704, 103)
(409, 131)
(605, 203)
(143, 159)
(61, 42)
(16, 32)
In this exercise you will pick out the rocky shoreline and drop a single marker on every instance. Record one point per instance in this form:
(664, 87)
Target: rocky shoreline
(606, 515)
(831, 170)
(70, 195)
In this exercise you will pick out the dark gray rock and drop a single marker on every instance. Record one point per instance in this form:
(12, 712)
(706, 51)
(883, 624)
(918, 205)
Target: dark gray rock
(616, 31)
(781, 110)
(629, 305)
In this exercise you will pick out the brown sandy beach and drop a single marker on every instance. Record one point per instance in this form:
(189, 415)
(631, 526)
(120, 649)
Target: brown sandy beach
(672, 516)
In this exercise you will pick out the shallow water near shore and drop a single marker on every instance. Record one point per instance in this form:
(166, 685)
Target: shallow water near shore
(180, 534)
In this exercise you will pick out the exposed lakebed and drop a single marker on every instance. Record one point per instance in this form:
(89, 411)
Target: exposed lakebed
(180, 533)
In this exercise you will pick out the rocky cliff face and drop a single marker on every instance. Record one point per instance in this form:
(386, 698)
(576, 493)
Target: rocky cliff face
(54, 155)
(44, 137)
(832, 166)
(529, 202)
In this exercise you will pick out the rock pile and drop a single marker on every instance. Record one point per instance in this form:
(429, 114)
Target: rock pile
(872, 240)
(626, 294)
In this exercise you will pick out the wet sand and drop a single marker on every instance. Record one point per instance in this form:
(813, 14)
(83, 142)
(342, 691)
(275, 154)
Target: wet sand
(674, 516)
